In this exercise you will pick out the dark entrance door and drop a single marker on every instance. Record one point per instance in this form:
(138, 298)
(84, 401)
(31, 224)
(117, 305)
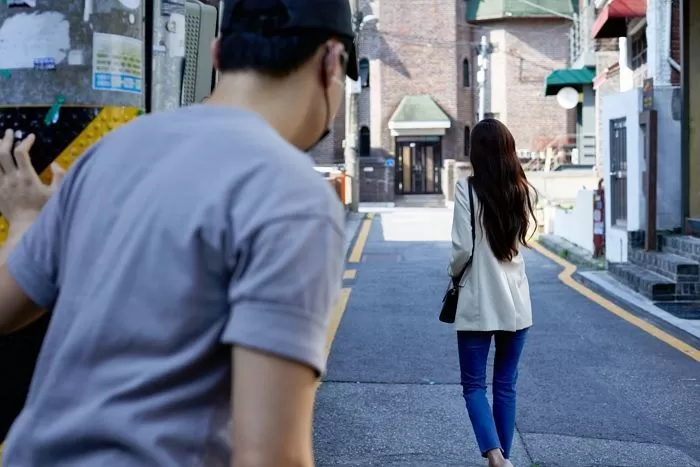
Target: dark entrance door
(418, 164)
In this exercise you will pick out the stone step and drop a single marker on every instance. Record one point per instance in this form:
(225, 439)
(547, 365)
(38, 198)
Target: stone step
(421, 201)
(653, 286)
(675, 267)
(682, 245)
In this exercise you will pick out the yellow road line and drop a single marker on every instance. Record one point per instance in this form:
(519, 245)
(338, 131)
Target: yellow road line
(341, 303)
(336, 317)
(566, 277)
(361, 241)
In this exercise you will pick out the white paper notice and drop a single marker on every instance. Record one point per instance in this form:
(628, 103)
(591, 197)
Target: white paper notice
(25, 37)
(117, 63)
(176, 35)
(130, 4)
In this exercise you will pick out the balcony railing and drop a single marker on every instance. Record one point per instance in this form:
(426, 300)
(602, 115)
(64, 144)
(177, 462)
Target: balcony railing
(562, 150)
(580, 41)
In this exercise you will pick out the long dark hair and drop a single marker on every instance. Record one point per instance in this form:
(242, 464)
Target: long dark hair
(507, 198)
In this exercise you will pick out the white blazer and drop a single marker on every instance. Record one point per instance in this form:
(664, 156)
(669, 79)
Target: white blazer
(494, 295)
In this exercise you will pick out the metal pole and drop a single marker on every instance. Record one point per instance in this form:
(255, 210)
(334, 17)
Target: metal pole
(685, 111)
(481, 76)
(352, 163)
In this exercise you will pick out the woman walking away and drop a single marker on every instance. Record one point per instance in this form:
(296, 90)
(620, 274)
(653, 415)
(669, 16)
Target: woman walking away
(494, 295)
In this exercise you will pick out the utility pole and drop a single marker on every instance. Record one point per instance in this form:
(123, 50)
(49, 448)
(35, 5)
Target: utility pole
(352, 97)
(483, 62)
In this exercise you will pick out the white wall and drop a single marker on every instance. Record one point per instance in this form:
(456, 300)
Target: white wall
(626, 104)
(659, 41)
(576, 225)
(562, 186)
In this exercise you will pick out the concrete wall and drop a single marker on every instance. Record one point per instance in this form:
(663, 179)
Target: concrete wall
(668, 189)
(626, 104)
(607, 58)
(576, 224)
(562, 187)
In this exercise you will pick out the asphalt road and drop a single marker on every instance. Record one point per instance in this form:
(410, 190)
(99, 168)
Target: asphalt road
(594, 390)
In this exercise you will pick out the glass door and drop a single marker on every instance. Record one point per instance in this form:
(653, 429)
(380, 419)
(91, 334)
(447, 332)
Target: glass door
(418, 167)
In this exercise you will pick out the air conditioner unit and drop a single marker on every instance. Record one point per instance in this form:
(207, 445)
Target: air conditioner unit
(201, 28)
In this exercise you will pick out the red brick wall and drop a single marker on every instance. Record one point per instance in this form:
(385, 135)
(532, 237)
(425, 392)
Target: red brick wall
(419, 48)
(533, 48)
(418, 56)
(675, 40)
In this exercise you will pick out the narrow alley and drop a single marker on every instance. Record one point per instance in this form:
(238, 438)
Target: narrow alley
(594, 389)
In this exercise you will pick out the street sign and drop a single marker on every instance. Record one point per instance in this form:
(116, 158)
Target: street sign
(389, 163)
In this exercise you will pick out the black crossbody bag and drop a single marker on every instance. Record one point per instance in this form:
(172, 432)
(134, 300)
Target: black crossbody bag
(449, 301)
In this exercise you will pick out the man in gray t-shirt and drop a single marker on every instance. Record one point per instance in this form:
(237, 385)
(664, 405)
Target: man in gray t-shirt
(190, 260)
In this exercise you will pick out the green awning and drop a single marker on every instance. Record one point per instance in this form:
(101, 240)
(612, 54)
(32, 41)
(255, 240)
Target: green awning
(421, 110)
(573, 77)
(488, 10)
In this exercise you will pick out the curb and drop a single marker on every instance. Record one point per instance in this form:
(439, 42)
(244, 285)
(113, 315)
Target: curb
(570, 255)
(659, 322)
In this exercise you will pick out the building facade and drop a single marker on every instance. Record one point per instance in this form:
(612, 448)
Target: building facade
(419, 94)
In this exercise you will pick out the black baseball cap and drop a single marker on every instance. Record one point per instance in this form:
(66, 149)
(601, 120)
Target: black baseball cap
(272, 17)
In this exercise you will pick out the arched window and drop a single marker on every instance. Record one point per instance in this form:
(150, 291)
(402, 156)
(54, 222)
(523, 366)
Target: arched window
(364, 142)
(467, 137)
(466, 73)
(364, 72)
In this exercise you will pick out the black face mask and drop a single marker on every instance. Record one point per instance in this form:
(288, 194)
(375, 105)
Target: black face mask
(327, 131)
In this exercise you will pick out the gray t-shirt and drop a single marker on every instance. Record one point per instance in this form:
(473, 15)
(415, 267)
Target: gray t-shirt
(171, 239)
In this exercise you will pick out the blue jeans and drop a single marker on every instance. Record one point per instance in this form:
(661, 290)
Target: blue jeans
(493, 430)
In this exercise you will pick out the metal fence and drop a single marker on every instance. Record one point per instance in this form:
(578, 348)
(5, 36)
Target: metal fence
(618, 171)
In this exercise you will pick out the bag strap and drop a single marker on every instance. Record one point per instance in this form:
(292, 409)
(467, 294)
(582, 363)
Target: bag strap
(458, 279)
(471, 215)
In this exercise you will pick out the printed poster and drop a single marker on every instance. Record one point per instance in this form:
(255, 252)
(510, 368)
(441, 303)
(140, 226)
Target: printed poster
(168, 7)
(117, 63)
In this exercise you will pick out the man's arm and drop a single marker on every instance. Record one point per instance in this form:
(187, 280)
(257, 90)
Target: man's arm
(280, 306)
(272, 401)
(16, 308)
(22, 197)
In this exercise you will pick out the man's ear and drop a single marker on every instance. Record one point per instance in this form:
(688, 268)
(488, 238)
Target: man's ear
(333, 61)
(215, 48)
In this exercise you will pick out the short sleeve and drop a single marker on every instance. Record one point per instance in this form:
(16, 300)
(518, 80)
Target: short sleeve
(34, 262)
(280, 297)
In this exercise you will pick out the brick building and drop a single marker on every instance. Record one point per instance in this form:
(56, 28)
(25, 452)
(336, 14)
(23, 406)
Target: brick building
(419, 93)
